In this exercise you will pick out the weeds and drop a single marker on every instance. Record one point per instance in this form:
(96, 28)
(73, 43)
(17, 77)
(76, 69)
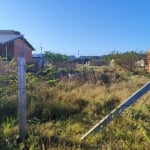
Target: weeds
(59, 113)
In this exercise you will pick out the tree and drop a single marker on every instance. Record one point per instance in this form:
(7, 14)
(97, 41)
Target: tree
(55, 58)
(127, 59)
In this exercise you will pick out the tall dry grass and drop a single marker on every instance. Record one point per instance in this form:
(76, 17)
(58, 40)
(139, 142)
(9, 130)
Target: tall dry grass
(59, 115)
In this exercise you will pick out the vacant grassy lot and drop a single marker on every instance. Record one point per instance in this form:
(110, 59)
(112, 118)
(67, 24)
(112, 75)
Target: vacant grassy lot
(59, 112)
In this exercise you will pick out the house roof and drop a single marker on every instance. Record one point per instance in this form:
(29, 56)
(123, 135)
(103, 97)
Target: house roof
(10, 35)
(29, 44)
(8, 38)
(9, 32)
(37, 55)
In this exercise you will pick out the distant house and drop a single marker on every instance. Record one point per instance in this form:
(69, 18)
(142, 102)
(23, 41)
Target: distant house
(81, 60)
(12, 44)
(71, 58)
(140, 63)
(39, 61)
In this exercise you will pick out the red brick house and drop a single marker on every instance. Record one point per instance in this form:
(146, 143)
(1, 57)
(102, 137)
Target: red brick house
(12, 43)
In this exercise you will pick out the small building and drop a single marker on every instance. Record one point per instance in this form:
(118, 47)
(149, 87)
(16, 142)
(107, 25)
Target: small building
(12, 44)
(39, 61)
(140, 63)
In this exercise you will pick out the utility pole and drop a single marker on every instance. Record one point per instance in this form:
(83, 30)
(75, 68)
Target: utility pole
(41, 49)
(41, 58)
(6, 52)
(78, 53)
(22, 96)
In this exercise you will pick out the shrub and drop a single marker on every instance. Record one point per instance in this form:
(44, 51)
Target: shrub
(105, 79)
(110, 103)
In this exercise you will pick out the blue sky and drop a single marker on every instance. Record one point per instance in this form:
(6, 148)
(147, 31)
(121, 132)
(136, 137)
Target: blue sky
(94, 27)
